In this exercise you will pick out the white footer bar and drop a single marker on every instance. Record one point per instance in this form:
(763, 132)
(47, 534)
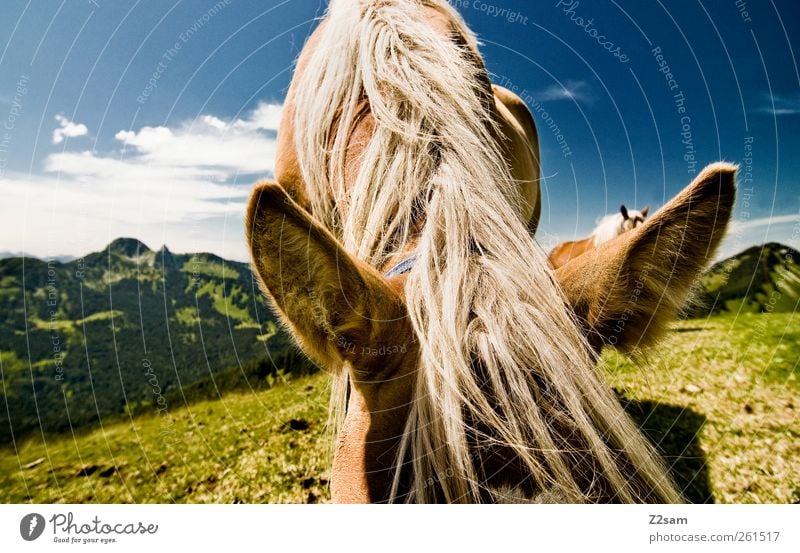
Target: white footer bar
(401, 528)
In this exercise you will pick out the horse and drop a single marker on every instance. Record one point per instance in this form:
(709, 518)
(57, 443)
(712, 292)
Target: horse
(395, 244)
(608, 228)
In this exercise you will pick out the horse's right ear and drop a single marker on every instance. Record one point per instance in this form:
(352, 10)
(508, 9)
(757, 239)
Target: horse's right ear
(626, 290)
(335, 305)
(624, 211)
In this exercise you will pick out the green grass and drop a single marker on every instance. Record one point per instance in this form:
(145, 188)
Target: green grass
(187, 316)
(227, 304)
(240, 448)
(719, 396)
(67, 325)
(736, 382)
(200, 265)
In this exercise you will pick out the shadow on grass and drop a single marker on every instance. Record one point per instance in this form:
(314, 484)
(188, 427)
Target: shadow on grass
(675, 433)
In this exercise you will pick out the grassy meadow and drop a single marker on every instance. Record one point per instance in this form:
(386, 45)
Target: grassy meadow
(719, 397)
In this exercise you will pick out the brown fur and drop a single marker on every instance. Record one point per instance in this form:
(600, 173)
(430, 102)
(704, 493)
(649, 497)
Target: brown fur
(564, 252)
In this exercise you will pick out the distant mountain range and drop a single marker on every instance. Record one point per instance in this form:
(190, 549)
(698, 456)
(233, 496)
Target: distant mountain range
(61, 258)
(127, 328)
(761, 279)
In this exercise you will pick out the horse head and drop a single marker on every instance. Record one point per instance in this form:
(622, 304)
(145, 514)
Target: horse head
(632, 218)
(468, 372)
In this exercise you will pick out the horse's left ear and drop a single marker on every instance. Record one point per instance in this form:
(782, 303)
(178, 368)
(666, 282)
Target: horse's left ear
(334, 304)
(624, 211)
(626, 290)
(645, 209)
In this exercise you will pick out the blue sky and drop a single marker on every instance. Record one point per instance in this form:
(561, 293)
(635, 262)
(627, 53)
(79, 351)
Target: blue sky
(153, 119)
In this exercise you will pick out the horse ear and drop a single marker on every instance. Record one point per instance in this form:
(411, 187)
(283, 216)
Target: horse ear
(645, 210)
(625, 291)
(624, 211)
(333, 303)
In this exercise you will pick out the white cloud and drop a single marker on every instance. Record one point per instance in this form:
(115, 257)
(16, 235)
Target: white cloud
(238, 146)
(68, 129)
(265, 117)
(214, 122)
(774, 220)
(185, 186)
(47, 215)
(208, 142)
(577, 91)
(743, 234)
(781, 105)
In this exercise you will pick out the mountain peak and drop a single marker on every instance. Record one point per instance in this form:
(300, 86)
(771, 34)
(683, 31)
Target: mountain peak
(782, 249)
(764, 250)
(761, 279)
(129, 247)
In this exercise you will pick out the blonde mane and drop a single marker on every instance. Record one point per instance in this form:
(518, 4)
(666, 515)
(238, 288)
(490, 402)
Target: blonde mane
(502, 362)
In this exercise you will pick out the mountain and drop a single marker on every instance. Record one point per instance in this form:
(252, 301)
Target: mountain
(128, 329)
(61, 258)
(761, 279)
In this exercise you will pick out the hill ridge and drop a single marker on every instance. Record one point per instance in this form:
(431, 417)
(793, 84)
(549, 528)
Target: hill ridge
(94, 323)
(759, 279)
